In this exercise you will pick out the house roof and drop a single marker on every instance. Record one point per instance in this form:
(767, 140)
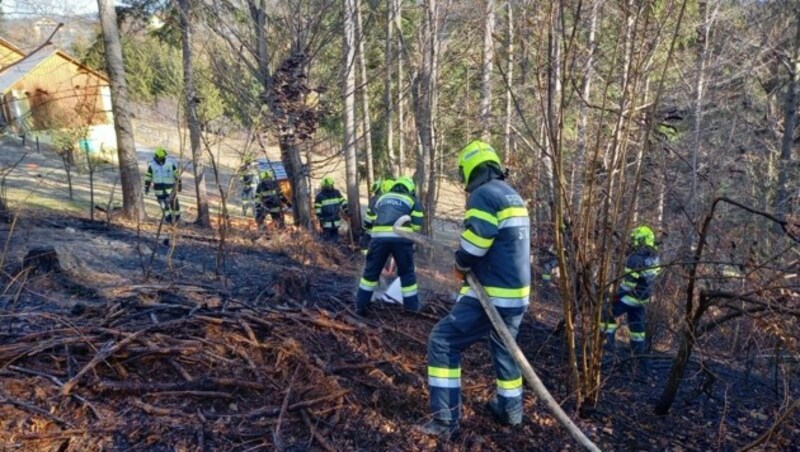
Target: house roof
(12, 75)
(9, 53)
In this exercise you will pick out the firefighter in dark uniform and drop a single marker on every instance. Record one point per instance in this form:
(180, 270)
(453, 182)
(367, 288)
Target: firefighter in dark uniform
(378, 188)
(269, 199)
(327, 204)
(495, 246)
(248, 175)
(399, 201)
(166, 180)
(641, 269)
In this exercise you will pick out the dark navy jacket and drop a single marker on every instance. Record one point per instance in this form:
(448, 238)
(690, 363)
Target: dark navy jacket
(496, 244)
(388, 209)
(327, 204)
(641, 269)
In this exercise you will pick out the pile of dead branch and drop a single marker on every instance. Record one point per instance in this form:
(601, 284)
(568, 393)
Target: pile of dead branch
(231, 377)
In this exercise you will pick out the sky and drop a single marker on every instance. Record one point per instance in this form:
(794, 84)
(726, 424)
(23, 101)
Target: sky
(40, 7)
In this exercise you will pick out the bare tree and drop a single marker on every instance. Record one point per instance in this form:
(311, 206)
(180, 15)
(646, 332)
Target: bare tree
(789, 120)
(424, 96)
(193, 121)
(509, 76)
(388, 98)
(366, 120)
(348, 89)
(132, 199)
(486, 69)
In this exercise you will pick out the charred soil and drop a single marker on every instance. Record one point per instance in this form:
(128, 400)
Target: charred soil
(128, 343)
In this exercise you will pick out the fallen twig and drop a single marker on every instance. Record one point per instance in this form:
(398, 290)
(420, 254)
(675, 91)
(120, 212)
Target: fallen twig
(36, 410)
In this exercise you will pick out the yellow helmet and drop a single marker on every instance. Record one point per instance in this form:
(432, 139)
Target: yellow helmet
(387, 184)
(160, 153)
(266, 175)
(474, 154)
(327, 181)
(408, 183)
(376, 186)
(643, 236)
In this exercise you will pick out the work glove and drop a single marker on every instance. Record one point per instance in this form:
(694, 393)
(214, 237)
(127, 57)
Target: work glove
(460, 273)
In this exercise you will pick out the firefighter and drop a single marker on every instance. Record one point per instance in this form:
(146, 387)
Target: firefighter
(495, 247)
(378, 188)
(248, 175)
(269, 199)
(385, 242)
(328, 204)
(548, 263)
(633, 294)
(166, 180)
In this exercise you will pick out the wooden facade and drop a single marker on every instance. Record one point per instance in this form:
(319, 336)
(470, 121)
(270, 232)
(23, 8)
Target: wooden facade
(48, 91)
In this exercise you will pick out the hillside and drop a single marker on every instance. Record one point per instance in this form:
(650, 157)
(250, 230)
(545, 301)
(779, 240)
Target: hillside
(252, 344)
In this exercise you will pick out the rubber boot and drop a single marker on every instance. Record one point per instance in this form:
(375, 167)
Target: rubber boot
(509, 415)
(437, 427)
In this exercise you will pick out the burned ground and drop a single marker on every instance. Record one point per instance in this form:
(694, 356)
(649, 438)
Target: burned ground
(253, 344)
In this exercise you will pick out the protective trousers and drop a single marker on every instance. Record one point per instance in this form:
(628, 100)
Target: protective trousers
(636, 323)
(466, 324)
(330, 234)
(170, 207)
(379, 250)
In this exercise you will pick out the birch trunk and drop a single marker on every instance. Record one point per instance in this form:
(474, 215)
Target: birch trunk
(349, 151)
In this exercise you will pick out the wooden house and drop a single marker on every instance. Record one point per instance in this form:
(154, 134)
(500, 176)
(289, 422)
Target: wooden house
(50, 96)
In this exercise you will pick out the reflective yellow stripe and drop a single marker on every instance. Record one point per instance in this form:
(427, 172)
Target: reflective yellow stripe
(485, 216)
(501, 292)
(417, 214)
(509, 384)
(635, 336)
(368, 283)
(512, 212)
(411, 288)
(608, 327)
(444, 372)
(389, 228)
(476, 240)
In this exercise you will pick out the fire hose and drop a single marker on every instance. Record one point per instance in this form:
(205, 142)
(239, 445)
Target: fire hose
(508, 340)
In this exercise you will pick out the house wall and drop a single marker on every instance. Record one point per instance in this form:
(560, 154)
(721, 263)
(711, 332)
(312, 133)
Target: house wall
(61, 95)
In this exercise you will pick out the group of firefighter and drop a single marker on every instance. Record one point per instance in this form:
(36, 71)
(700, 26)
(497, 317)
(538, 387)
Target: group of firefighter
(494, 246)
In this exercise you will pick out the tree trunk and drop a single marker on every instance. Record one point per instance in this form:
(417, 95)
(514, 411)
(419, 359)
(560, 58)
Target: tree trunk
(366, 119)
(423, 95)
(486, 70)
(583, 114)
(192, 119)
(349, 151)
(702, 57)
(507, 140)
(132, 200)
(401, 120)
(388, 99)
(782, 206)
(258, 15)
